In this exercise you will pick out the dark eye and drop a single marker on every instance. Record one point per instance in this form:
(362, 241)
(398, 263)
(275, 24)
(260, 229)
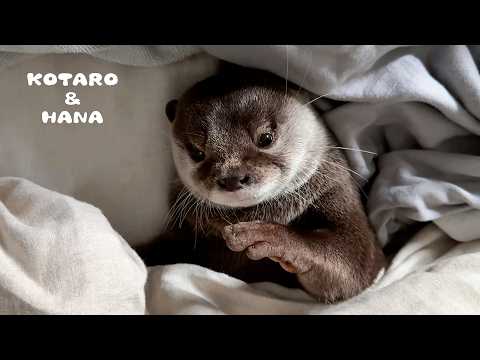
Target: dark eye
(196, 154)
(265, 140)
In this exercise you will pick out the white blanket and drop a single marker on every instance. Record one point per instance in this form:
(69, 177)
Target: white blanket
(432, 274)
(60, 256)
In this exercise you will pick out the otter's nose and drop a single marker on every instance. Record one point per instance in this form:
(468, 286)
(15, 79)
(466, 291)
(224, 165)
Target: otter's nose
(233, 183)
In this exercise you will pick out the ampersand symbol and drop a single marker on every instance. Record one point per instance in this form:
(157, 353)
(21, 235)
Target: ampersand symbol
(71, 99)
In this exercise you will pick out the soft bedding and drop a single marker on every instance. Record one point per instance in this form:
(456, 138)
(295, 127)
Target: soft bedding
(417, 107)
(59, 255)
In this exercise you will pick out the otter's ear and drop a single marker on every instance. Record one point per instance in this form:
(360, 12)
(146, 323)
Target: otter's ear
(171, 109)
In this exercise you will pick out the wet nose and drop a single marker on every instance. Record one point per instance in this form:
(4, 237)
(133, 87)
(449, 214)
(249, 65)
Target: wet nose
(233, 183)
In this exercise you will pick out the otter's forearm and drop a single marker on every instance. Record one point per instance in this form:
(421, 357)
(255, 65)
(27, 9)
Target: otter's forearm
(342, 264)
(347, 257)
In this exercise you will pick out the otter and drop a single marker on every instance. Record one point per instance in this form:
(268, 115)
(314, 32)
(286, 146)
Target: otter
(263, 191)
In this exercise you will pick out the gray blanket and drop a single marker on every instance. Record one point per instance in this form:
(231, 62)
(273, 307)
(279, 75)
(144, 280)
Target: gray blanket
(417, 107)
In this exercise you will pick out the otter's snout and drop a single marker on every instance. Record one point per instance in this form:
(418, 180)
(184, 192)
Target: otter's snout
(234, 183)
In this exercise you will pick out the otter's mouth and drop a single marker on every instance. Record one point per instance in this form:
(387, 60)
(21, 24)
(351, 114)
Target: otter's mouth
(243, 197)
(235, 200)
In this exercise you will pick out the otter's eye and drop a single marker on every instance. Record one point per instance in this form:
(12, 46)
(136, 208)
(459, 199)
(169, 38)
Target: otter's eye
(196, 154)
(265, 140)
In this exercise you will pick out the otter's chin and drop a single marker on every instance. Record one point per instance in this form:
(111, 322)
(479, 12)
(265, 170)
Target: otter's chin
(235, 199)
(240, 198)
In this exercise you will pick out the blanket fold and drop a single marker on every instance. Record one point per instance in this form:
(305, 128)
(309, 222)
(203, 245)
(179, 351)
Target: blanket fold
(60, 256)
(432, 274)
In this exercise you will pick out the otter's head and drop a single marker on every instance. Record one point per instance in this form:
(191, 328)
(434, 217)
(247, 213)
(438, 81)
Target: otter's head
(239, 139)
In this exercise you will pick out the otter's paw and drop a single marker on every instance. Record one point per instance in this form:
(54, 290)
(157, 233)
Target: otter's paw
(263, 240)
(240, 236)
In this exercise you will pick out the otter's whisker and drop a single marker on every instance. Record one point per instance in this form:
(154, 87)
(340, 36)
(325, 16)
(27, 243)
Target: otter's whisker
(351, 149)
(175, 208)
(225, 217)
(187, 211)
(345, 168)
(359, 187)
(201, 210)
(196, 226)
(256, 211)
(286, 77)
(317, 98)
(353, 179)
(183, 204)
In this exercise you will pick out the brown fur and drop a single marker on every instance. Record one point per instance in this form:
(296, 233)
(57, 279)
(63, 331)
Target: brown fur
(321, 237)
